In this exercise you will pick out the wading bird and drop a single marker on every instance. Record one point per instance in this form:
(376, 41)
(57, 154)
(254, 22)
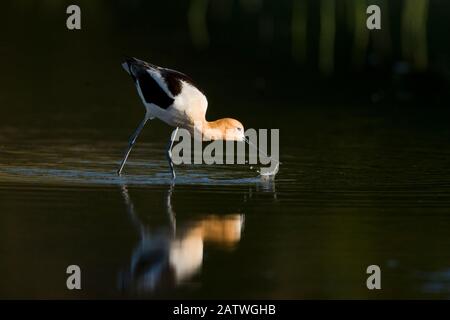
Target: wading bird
(172, 97)
(167, 256)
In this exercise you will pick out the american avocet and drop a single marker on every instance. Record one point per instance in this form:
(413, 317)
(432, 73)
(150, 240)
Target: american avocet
(172, 97)
(169, 256)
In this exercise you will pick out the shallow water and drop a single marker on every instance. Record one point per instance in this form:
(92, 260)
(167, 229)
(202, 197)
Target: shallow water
(356, 188)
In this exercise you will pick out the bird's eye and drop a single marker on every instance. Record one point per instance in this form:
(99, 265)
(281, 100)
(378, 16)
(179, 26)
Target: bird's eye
(239, 129)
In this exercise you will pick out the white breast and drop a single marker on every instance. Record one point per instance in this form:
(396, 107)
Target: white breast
(192, 102)
(188, 107)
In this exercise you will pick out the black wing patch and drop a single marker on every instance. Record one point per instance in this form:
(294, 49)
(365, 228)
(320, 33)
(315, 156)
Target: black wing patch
(151, 90)
(173, 80)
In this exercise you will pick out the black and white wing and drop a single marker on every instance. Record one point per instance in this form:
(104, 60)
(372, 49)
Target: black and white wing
(157, 85)
(149, 83)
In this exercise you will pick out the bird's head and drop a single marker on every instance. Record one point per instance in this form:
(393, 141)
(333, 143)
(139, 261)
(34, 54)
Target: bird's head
(227, 129)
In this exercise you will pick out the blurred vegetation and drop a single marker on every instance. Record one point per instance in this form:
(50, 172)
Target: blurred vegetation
(292, 53)
(259, 61)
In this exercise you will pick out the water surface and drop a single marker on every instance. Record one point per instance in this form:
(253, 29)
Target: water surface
(357, 187)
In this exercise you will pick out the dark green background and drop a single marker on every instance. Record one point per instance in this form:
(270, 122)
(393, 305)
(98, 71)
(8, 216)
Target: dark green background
(364, 141)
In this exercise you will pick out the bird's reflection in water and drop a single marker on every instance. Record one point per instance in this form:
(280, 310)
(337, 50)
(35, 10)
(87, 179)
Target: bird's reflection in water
(167, 257)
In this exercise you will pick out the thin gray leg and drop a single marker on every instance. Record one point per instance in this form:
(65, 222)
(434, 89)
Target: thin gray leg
(131, 143)
(170, 212)
(169, 152)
